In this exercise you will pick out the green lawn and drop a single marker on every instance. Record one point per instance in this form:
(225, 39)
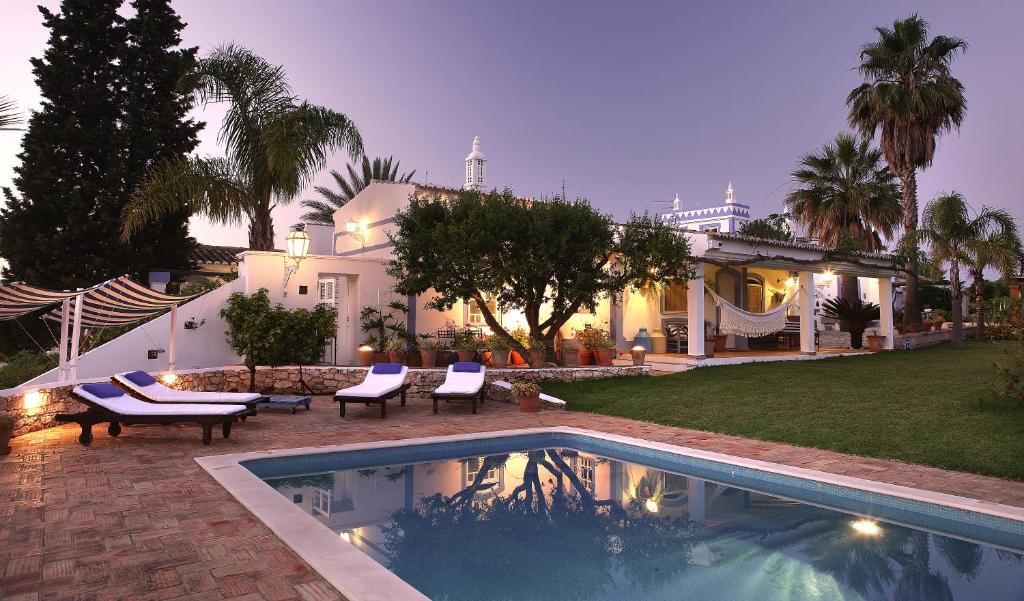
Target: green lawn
(920, 406)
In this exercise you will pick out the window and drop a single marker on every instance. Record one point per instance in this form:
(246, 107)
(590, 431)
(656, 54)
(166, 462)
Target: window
(473, 466)
(321, 501)
(475, 316)
(673, 299)
(586, 472)
(296, 498)
(755, 295)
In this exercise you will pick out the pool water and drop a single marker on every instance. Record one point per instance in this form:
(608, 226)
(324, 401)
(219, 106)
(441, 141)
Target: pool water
(561, 523)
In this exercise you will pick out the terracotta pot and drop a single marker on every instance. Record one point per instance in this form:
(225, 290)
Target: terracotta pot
(428, 358)
(537, 359)
(413, 359)
(876, 344)
(444, 357)
(720, 343)
(571, 357)
(365, 356)
(604, 356)
(380, 357)
(6, 434)
(709, 347)
(586, 357)
(465, 355)
(529, 404)
(396, 357)
(499, 359)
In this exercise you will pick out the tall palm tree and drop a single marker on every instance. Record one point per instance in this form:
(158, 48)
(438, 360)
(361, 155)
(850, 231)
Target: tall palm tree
(9, 116)
(322, 210)
(1001, 250)
(911, 96)
(275, 145)
(846, 192)
(950, 229)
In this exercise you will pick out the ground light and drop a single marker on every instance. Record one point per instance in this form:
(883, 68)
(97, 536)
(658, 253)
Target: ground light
(34, 399)
(169, 379)
(866, 527)
(651, 505)
(345, 536)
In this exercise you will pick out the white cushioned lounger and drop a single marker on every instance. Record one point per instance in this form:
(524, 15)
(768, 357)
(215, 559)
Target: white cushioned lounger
(159, 393)
(465, 381)
(129, 405)
(376, 388)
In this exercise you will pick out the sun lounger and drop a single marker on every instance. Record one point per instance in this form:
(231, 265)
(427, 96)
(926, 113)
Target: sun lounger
(145, 387)
(464, 381)
(383, 381)
(108, 403)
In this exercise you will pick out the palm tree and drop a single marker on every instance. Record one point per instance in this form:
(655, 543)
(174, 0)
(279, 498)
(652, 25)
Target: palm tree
(950, 230)
(846, 192)
(911, 96)
(1001, 250)
(275, 145)
(322, 210)
(8, 114)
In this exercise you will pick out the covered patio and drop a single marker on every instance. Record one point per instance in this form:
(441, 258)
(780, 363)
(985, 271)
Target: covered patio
(742, 280)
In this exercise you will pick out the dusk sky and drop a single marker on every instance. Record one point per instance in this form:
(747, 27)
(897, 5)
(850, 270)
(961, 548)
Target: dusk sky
(628, 103)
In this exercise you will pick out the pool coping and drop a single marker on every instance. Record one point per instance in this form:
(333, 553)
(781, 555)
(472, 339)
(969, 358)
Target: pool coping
(358, 577)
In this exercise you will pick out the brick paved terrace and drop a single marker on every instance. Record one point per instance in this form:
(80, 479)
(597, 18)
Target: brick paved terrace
(136, 518)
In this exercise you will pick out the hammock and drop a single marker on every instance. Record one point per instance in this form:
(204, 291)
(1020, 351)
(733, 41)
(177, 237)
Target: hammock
(734, 320)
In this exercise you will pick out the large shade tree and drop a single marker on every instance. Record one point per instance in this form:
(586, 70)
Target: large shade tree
(548, 259)
(1000, 250)
(950, 228)
(846, 195)
(275, 144)
(911, 97)
(321, 210)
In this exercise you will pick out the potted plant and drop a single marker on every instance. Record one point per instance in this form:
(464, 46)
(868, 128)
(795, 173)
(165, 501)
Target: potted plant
(528, 395)
(876, 342)
(711, 339)
(499, 348)
(854, 316)
(601, 344)
(466, 345)
(570, 353)
(586, 352)
(395, 349)
(428, 352)
(7, 432)
(365, 353)
(535, 349)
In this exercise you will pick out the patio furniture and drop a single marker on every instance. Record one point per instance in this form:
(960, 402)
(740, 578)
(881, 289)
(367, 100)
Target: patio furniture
(145, 387)
(788, 335)
(463, 382)
(675, 335)
(383, 381)
(108, 403)
(285, 401)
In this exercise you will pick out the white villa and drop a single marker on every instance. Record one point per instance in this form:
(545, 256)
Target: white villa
(345, 266)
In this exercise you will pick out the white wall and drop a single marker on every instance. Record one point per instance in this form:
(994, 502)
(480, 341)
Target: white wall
(203, 347)
(373, 208)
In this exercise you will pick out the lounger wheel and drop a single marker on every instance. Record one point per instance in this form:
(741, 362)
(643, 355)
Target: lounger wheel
(113, 429)
(86, 436)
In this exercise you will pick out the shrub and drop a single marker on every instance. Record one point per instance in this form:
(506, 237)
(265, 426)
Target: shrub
(855, 316)
(23, 366)
(594, 338)
(1011, 373)
(525, 389)
(466, 340)
(497, 343)
(536, 345)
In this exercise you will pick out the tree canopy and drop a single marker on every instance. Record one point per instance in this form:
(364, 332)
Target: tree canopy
(772, 227)
(548, 259)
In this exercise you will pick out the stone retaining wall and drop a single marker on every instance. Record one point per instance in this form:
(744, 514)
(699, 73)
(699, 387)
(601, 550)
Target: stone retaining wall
(35, 408)
(903, 342)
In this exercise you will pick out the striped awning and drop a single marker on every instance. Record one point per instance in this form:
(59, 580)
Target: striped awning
(119, 302)
(17, 300)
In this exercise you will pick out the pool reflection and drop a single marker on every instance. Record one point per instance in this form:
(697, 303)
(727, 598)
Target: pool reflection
(559, 524)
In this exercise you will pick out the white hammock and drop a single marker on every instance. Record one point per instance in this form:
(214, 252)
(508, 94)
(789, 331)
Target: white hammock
(734, 320)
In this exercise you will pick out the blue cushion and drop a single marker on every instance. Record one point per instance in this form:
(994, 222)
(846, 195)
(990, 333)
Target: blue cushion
(103, 391)
(388, 369)
(139, 378)
(466, 366)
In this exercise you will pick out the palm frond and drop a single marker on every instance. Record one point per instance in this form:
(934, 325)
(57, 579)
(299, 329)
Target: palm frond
(9, 116)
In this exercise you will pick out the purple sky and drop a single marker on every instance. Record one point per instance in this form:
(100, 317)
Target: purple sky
(629, 103)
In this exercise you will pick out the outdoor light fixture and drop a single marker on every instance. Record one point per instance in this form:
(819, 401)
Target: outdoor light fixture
(357, 229)
(346, 536)
(34, 399)
(866, 527)
(790, 282)
(651, 505)
(828, 277)
(169, 379)
(639, 354)
(298, 246)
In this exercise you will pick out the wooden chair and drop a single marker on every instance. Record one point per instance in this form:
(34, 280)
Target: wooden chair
(676, 335)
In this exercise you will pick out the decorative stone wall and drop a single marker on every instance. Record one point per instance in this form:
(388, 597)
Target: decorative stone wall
(35, 409)
(833, 339)
(903, 342)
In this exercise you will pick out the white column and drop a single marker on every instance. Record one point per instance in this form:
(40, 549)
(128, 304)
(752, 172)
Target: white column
(62, 360)
(695, 313)
(695, 500)
(885, 316)
(807, 312)
(76, 335)
(171, 339)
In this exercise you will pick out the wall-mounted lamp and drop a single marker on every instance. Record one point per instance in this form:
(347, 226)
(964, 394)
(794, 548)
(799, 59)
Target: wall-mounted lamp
(356, 229)
(34, 400)
(297, 245)
(169, 379)
(790, 282)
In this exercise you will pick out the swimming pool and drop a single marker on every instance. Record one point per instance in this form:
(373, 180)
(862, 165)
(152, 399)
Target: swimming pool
(569, 514)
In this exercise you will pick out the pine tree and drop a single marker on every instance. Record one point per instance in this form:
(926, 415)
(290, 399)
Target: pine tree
(110, 109)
